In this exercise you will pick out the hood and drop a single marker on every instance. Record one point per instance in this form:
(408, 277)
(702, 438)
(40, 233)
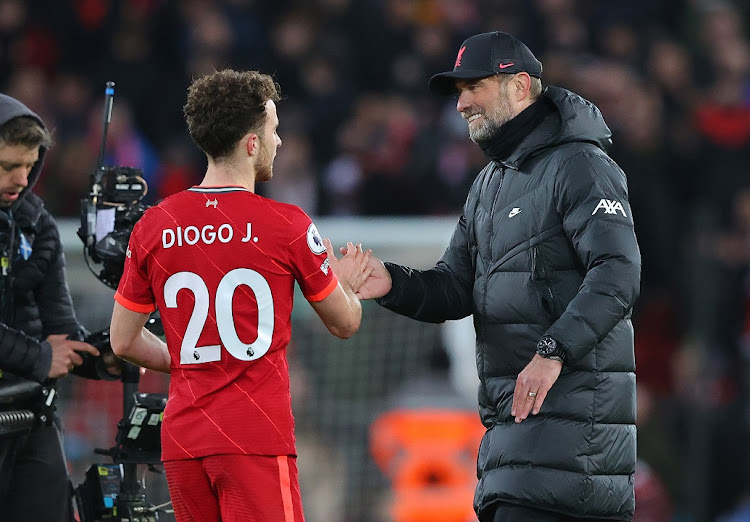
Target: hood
(11, 108)
(578, 120)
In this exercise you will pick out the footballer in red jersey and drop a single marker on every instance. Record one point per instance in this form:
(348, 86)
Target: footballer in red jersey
(220, 263)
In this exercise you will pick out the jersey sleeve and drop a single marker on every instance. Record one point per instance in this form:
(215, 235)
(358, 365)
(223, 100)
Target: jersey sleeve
(309, 260)
(134, 291)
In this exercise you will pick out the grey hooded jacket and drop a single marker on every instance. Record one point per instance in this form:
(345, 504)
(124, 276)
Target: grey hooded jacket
(546, 245)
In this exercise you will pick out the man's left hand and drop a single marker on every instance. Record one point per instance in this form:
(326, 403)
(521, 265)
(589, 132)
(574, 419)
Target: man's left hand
(532, 386)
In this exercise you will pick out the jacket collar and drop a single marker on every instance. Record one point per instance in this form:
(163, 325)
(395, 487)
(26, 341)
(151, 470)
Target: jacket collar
(513, 133)
(572, 119)
(26, 212)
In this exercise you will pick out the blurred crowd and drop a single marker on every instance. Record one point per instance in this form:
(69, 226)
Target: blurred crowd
(362, 136)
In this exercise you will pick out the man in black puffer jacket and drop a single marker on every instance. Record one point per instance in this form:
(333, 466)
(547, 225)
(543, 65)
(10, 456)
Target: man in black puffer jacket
(545, 258)
(37, 319)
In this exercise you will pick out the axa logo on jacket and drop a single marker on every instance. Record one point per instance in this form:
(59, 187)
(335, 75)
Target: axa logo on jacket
(610, 206)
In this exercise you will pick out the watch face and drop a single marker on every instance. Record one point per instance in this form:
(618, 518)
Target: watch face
(547, 345)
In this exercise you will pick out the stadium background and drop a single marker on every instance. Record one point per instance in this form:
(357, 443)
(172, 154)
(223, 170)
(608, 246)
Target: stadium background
(375, 158)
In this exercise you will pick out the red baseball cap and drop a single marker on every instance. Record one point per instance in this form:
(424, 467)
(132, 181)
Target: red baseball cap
(487, 54)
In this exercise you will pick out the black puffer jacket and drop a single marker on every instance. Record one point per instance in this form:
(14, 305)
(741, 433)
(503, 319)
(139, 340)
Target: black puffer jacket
(35, 297)
(546, 245)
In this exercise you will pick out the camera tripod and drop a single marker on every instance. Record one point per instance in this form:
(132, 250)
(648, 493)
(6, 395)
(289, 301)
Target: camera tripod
(112, 491)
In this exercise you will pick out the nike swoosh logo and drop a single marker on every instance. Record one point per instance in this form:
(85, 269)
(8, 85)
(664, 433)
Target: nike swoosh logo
(514, 212)
(505, 65)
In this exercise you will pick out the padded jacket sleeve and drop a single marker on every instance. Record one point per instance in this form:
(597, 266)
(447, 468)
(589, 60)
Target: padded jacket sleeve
(441, 293)
(592, 198)
(24, 355)
(53, 295)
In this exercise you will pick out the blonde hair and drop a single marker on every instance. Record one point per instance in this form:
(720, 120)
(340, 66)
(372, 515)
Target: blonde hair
(535, 90)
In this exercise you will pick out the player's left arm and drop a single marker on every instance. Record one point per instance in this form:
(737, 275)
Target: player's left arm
(132, 342)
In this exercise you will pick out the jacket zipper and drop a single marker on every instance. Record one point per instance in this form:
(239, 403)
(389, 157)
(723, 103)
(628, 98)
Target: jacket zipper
(7, 313)
(503, 167)
(486, 279)
(536, 260)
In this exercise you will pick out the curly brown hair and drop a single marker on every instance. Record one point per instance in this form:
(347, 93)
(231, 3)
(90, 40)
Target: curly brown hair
(225, 105)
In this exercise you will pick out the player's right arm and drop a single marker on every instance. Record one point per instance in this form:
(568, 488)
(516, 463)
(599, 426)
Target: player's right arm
(134, 303)
(341, 310)
(132, 342)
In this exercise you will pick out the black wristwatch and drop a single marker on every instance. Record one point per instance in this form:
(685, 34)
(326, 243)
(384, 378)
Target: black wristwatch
(548, 348)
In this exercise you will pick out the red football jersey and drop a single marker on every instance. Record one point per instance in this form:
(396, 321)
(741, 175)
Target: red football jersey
(220, 265)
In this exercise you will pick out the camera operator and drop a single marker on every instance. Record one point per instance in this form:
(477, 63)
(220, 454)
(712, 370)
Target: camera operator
(37, 323)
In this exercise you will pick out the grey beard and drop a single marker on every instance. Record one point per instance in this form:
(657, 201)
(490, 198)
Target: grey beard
(484, 133)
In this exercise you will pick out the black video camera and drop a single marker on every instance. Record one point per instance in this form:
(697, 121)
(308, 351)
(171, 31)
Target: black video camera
(108, 215)
(110, 210)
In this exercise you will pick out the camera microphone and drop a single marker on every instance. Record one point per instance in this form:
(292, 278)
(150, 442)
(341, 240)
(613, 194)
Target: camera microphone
(109, 95)
(89, 205)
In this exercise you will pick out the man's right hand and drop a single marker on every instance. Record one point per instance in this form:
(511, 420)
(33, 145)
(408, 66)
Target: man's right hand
(65, 354)
(352, 269)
